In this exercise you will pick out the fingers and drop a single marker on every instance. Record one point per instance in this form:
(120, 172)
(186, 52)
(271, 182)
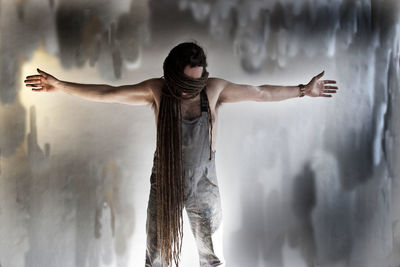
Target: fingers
(33, 81)
(33, 85)
(326, 92)
(33, 76)
(37, 88)
(42, 72)
(328, 81)
(37, 76)
(319, 75)
(333, 89)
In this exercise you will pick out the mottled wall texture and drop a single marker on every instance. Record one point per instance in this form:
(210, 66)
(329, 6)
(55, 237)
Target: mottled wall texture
(304, 182)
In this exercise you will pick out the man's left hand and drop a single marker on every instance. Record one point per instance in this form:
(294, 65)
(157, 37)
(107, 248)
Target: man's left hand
(322, 88)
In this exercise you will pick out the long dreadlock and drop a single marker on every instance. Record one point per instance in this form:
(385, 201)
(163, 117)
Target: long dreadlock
(169, 166)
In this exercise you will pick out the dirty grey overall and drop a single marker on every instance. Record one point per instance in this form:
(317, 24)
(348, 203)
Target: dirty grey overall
(201, 193)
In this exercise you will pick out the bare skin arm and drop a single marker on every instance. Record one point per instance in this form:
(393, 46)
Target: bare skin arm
(135, 94)
(232, 92)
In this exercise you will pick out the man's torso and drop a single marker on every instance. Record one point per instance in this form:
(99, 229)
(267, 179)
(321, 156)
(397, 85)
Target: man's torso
(191, 108)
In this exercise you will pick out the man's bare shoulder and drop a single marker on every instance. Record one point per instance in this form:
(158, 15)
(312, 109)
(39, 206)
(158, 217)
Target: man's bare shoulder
(214, 88)
(155, 83)
(215, 83)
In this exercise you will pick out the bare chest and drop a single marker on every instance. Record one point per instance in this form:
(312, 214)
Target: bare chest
(191, 109)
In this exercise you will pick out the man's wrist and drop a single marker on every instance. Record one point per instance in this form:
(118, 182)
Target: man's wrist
(302, 90)
(59, 85)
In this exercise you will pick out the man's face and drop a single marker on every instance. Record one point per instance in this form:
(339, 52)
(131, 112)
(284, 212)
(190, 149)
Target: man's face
(194, 72)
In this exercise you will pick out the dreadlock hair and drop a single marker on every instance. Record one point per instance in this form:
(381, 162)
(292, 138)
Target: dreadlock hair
(169, 166)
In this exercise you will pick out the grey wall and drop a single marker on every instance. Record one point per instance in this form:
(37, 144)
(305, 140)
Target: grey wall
(304, 181)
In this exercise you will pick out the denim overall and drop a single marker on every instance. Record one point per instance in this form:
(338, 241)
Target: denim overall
(201, 194)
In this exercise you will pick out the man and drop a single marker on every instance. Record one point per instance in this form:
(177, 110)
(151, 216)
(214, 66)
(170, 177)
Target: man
(185, 102)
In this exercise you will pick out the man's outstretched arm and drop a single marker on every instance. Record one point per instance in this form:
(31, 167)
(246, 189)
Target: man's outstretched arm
(232, 92)
(135, 94)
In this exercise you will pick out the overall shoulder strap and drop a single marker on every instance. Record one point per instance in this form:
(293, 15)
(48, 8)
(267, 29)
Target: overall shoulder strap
(204, 100)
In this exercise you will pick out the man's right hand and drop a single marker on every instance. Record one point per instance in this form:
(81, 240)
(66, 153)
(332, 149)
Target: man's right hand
(43, 82)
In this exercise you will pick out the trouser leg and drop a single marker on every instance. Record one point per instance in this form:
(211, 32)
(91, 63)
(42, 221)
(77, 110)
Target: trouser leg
(202, 233)
(205, 217)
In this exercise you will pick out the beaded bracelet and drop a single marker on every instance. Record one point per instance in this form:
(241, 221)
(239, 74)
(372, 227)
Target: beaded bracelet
(302, 90)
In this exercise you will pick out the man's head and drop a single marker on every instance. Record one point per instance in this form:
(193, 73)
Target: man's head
(188, 58)
(185, 70)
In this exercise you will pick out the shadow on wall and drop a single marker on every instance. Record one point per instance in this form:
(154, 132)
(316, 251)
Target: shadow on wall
(301, 233)
(62, 201)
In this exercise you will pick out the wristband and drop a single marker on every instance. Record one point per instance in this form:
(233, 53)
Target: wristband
(302, 90)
